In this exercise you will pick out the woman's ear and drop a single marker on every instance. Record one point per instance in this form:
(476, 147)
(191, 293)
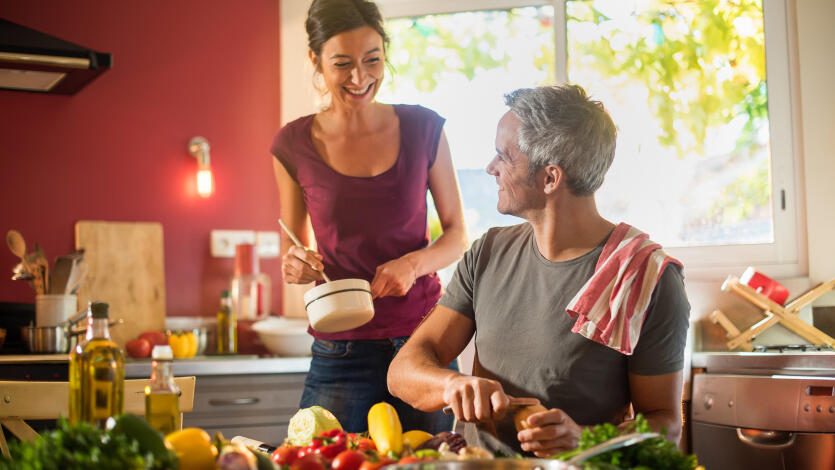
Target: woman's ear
(314, 59)
(554, 176)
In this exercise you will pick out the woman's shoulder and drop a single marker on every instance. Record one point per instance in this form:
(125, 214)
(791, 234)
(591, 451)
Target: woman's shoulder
(289, 134)
(417, 112)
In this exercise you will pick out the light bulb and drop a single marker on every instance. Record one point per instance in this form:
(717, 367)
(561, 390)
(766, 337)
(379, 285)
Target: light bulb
(205, 185)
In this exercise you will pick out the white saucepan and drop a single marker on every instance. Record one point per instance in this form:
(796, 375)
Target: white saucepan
(339, 305)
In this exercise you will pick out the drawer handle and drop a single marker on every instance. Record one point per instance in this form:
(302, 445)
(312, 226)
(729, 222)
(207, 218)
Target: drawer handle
(233, 401)
(765, 439)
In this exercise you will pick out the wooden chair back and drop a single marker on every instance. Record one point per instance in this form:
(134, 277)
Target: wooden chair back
(21, 400)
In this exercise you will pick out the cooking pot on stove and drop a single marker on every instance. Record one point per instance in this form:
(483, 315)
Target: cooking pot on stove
(55, 339)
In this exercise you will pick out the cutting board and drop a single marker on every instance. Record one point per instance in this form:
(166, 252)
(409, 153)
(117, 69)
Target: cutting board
(127, 271)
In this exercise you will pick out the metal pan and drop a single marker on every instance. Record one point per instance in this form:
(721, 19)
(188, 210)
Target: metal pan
(488, 464)
(53, 339)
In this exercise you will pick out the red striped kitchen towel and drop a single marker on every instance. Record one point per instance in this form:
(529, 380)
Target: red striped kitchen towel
(611, 306)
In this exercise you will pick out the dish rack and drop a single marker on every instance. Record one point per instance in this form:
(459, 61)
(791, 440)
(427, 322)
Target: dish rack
(773, 313)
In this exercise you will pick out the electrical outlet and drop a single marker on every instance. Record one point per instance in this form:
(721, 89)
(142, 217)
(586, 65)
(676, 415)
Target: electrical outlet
(223, 241)
(267, 243)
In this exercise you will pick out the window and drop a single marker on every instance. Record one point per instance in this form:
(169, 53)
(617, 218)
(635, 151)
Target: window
(704, 160)
(700, 92)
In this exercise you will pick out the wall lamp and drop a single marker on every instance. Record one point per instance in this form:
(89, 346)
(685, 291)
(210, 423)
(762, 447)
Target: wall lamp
(198, 147)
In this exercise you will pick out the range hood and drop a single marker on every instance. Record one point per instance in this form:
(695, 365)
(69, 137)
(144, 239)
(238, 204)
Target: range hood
(37, 62)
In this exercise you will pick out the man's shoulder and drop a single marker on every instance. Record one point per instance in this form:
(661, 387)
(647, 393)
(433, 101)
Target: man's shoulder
(503, 237)
(508, 233)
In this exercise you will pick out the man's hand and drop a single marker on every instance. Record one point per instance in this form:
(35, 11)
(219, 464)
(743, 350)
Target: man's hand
(475, 399)
(549, 432)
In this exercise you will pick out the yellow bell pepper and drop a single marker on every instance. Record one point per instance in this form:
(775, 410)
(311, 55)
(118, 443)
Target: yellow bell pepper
(385, 429)
(183, 344)
(194, 449)
(415, 438)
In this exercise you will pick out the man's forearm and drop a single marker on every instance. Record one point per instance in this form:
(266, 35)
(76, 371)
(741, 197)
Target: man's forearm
(661, 420)
(417, 377)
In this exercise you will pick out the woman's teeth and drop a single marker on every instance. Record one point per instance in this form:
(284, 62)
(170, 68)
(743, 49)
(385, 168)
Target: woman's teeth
(360, 92)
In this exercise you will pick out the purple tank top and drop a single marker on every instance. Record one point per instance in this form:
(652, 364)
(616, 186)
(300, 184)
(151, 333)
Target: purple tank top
(361, 223)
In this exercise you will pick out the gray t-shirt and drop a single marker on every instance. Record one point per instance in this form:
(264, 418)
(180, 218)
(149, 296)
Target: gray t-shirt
(523, 337)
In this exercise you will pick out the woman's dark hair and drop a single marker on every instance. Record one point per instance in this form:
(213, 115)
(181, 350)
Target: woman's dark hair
(327, 18)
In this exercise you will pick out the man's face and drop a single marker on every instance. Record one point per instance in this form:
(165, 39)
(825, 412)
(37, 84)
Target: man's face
(517, 194)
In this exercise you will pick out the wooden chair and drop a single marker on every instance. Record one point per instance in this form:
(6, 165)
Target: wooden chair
(21, 400)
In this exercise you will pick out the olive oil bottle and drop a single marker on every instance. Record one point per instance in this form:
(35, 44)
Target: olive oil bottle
(97, 372)
(162, 396)
(227, 325)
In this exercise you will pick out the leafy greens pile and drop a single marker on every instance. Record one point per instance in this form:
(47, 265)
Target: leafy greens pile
(652, 454)
(81, 446)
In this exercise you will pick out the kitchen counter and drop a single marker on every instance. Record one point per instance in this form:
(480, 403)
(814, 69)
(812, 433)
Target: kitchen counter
(198, 366)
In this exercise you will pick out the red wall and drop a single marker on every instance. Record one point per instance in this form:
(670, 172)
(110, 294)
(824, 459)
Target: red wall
(116, 150)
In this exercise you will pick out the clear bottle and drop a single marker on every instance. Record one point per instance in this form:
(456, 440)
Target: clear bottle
(250, 287)
(162, 396)
(97, 372)
(227, 325)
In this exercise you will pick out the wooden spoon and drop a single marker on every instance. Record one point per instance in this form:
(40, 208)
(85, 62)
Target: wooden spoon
(17, 245)
(299, 244)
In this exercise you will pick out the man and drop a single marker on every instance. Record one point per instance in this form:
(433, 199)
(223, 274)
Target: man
(513, 286)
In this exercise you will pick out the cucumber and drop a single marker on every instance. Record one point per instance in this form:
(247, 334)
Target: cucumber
(150, 440)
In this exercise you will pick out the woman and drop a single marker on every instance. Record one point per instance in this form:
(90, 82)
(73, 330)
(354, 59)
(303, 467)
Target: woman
(358, 171)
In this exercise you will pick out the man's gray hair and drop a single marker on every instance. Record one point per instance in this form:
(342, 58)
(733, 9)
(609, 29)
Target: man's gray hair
(561, 126)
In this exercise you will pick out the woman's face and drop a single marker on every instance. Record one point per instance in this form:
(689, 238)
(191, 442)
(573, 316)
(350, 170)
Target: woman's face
(352, 65)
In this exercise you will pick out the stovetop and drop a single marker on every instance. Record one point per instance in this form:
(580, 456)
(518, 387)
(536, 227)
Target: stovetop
(800, 359)
(783, 348)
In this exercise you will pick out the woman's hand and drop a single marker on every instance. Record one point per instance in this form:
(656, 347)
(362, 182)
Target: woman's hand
(550, 432)
(300, 266)
(394, 277)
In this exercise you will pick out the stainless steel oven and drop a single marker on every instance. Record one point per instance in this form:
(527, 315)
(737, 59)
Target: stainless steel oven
(769, 409)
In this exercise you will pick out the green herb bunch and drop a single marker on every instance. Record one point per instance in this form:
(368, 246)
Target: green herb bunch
(651, 454)
(81, 446)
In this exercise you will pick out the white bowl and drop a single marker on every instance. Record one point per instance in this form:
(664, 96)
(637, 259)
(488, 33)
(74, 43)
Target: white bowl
(284, 336)
(339, 305)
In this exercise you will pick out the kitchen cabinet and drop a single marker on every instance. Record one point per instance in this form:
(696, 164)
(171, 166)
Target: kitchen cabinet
(256, 406)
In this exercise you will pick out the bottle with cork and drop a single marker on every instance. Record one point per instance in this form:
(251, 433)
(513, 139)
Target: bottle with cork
(97, 372)
(250, 287)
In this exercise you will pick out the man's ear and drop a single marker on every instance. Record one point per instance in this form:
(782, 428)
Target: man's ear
(554, 176)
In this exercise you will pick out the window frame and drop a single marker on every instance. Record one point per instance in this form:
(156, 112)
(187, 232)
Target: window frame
(785, 257)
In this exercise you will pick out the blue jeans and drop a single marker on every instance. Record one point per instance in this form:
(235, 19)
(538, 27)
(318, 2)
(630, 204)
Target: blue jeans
(348, 377)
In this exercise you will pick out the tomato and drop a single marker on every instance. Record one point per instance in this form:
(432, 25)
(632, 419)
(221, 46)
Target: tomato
(308, 462)
(329, 451)
(409, 459)
(285, 455)
(364, 443)
(348, 460)
(306, 450)
(369, 465)
(155, 338)
(139, 347)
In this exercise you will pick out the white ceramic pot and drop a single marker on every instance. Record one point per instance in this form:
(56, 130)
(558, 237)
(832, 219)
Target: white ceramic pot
(339, 305)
